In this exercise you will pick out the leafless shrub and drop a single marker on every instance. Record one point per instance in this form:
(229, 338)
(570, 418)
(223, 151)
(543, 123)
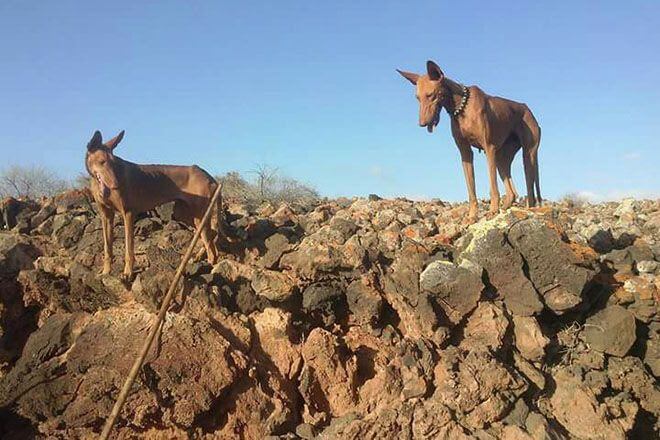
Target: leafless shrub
(234, 186)
(575, 200)
(81, 181)
(30, 182)
(268, 185)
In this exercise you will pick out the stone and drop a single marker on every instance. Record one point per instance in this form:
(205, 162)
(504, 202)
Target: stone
(529, 339)
(365, 302)
(456, 289)
(195, 366)
(551, 264)
(481, 405)
(486, 327)
(324, 301)
(401, 290)
(276, 245)
(275, 332)
(490, 249)
(647, 266)
(611, 331)
(276, 286)
(16, 253)
(652, 349)
(598, 238)
(578, 410)
(327, 382)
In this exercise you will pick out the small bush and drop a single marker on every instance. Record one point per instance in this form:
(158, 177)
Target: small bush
(575, 200)
(268, 185)
(30, 182)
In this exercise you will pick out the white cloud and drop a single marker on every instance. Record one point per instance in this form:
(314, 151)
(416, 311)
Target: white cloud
(376, 171)
(633, 155)
(615, 195)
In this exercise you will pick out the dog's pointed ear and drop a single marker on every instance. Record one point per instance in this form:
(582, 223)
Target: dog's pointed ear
(412, 77)
(112, 143)
(95, 142)
(434, 71)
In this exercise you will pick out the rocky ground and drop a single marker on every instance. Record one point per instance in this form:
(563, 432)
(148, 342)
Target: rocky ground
(352, 319)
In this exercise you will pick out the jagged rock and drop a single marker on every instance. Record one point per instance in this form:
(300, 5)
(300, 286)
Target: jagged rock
(276, 286)
(578, 410)
(75, 199)
(325, 301)
(630, 258)
(406, 421)
(482, 405)
(69, 375)
(456, 289)
(530, 341)
(16, 253)
(490, 249)
(364, 302)
(647, 266)
(68, 230)
(529, 371)
(276, 245)
(611, 331)
(652, 349)
(628, 374)
(284, 215)
(43, 214)
(486, 327)
(310, 260)
(552, 266)
(402, 292)
(274, 331)
(327, 381)
(598, 238)
(642, 297)
(370, 319)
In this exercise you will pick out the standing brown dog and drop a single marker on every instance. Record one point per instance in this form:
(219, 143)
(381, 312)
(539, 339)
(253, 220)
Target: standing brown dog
(129, 188)
(496, 125)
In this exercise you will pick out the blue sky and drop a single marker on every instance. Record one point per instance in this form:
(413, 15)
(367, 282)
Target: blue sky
(310, 87)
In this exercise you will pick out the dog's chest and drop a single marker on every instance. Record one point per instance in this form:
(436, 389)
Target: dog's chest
(465, 127)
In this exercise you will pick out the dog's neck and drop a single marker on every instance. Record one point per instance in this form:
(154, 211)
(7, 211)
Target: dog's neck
(453, 101)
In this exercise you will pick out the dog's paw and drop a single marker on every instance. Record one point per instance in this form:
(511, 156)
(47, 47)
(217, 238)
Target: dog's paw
(126, 279)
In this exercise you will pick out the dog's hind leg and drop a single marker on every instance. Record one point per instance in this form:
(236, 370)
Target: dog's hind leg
(529, 133)
(491, 152)
(505, 156)
(209, 242)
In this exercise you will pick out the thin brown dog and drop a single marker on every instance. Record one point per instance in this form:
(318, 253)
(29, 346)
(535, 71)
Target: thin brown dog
(496, 125)
(129, 188)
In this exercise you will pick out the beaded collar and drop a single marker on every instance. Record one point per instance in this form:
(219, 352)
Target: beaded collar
(466, 94)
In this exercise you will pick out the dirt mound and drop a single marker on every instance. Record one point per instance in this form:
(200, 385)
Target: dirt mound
(352, 319)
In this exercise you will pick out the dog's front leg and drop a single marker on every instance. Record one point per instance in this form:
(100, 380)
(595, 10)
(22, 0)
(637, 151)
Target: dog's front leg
(492, 174)
(467, 159)
(128, 241)
(107, 222)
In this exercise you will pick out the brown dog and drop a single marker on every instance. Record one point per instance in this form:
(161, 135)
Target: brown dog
(496, 125)
(129, 188)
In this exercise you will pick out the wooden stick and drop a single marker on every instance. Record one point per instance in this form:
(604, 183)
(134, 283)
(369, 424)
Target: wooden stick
(161, 315)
